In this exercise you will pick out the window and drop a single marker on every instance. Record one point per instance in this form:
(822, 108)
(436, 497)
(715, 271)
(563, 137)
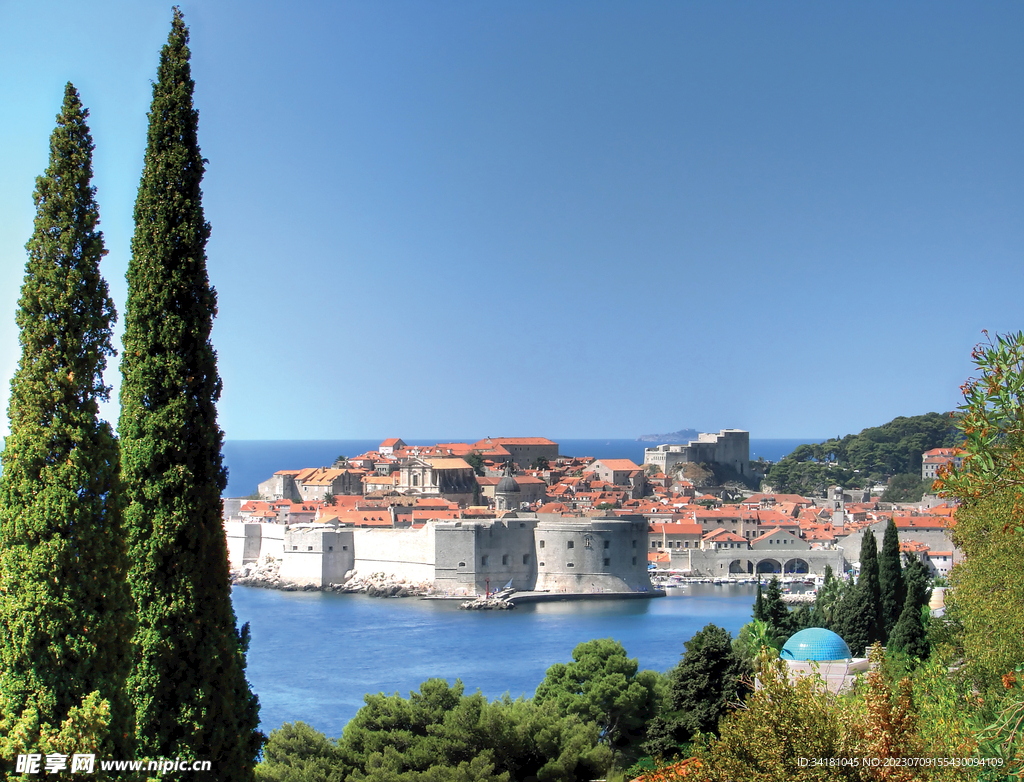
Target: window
(570, 564)
(607, 544)
(344, 548)
(504, 559)
(654, 544)
(607, 561)
(540, 564)
(295, 548)
(526, 559)
(542, 544)
(570, 544)
(462, 564)
(483, 560)
(634, 544)
(634, 560)
(309, 548)
(330, 548)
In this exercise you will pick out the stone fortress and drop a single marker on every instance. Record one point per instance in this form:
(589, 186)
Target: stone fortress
(533, 552)
(730, 447)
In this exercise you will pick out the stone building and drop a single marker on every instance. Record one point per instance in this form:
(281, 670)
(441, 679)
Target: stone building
(530, 551)
(449, 477)
(730, 448)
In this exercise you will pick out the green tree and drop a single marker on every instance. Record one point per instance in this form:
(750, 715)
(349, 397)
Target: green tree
(709, 677)
(987, 588)
(868, 582)
(295, 752)
(909, 635)
(476, 461)
(438, 733)
(906, 487)
(65, 608)
(540, 463)
(775, 613)
(828, 601)
(603, 686)
(853, 620)
(188, 684)
(890, 578)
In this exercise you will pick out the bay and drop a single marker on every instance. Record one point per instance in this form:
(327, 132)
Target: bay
(314, 656)
(251, 461)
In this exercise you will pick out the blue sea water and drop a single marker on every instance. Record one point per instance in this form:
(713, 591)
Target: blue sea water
(314, 656)
(251, 461)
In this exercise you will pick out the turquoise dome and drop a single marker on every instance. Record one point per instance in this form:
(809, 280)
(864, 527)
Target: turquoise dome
(815, 643)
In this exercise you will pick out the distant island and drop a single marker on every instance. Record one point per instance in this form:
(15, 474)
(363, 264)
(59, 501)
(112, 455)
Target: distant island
(682, 436)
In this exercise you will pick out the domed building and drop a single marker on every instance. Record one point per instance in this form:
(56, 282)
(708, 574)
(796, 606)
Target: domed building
(815, 643)
(506, 493)
(816, 651)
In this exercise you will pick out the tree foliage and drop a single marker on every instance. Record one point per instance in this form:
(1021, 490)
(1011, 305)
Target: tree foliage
(603, 686)
(65, 608)
(909, 635)
(709, 678)
(890, 577)
(439, 734)
(988, 586)
(188, 684)
(906, 487)
(296, 752)
(851, 461)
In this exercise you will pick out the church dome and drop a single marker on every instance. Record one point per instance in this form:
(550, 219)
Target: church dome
(507, 485)
(815, 643)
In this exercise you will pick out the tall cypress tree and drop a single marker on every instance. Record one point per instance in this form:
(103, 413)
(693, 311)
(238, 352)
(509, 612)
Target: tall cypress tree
(890, 578)
(909, 635)
(65, 609)
(188, 684)
(868, 584)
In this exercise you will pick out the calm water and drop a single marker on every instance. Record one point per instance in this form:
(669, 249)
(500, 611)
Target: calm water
(252, 461)
(314, 656)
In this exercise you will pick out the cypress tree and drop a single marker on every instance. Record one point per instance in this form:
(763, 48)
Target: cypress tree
(65, 608)
(188, 685)
(868, 583)
(759, 612)
(890, 578)
(909, 635)
(853, 620)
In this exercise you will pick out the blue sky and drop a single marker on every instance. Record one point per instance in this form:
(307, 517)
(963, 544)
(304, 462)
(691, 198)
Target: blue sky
(571, 219)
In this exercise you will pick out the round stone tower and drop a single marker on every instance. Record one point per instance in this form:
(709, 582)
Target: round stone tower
(592, 555)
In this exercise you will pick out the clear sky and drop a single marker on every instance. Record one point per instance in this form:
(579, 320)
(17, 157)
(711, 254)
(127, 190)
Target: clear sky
(570, 219)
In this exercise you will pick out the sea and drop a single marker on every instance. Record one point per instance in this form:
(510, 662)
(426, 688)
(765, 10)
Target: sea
(314, 656)
(250, 462)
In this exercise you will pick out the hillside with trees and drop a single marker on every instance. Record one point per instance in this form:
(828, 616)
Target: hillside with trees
(879, 453)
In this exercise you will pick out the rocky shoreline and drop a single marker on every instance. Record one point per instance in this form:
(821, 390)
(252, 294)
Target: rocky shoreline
(266, 574)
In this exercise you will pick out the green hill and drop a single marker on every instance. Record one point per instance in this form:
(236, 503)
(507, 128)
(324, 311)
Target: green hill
(858, 460)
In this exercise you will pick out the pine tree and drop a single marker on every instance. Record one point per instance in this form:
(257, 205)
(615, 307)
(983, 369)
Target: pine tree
(890, 578)
(65, 612)
(188, 684)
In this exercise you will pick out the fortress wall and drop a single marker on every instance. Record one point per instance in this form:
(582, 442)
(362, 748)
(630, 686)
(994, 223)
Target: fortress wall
(272, 544)
(473, 557)
(401, 553)
(244, 540)
(596, 555)
(721, 564)
(316, 556)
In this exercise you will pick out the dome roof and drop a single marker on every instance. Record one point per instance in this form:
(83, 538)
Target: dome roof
(815, 643)
(507, 485)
